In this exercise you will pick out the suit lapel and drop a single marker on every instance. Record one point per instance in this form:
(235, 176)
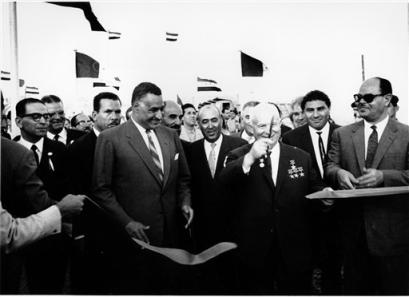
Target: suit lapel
(358, 141)
(164, 143)
(202, 159)
(309, 145)
(224, 149)
(388, 135)
(136, 141)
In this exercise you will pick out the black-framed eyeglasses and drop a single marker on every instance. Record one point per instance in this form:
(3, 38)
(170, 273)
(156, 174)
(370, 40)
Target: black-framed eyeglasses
(37, 116)
(368, 98)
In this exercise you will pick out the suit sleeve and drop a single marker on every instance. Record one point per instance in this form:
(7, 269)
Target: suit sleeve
(17, 232)
(333, 164)
(102, 192)
(232, 172)
(184, 178)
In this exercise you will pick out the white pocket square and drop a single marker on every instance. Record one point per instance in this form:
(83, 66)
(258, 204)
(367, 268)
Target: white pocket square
(177, 156)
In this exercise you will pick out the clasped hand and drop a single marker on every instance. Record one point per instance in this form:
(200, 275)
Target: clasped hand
(259, 149)
(371, 178)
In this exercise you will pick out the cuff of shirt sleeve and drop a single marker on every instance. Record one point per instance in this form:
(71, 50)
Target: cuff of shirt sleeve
(53, 219)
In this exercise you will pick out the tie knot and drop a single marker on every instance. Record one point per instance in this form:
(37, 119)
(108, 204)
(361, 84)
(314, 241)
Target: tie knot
(213, 145)
(148, 131)
(373, 127)
(34, 147)
(56, 137)
(319, 133)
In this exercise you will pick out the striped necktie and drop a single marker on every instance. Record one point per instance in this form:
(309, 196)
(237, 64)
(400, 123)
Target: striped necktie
(155, 156)
(372, 146)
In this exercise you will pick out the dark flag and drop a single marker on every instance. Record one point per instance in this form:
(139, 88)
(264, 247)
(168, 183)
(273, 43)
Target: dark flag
(86, 66)
(117, 78)
(5, 75)
(88, 13)
(250, 66)
(21, 82)
(114, 35)
(172, 36)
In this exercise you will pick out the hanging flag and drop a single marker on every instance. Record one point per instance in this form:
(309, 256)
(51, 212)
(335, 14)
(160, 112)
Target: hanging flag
(171, 36)
(206, 80)
(88, 13)
(114, 35)
(86, 66)
(99, 84)
(251, 66)
(21, 82)
(117, 78)
(178, 100)
(5, 75)
(32, 90)
(206, 85)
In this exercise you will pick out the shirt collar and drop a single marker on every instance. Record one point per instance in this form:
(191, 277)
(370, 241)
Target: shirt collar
(218, 142)
(96, 132)
(324, 130)
(39, 144)
(379, 126)
(141, 129)
(62, 134)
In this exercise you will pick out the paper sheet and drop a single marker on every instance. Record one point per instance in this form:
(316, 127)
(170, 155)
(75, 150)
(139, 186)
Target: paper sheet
(365, 192)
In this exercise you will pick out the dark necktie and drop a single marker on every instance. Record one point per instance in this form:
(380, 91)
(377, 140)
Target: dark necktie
(56, 137)
(155, 156)
(322, 149)
(212, 159)
(372, 145)
(34, 149)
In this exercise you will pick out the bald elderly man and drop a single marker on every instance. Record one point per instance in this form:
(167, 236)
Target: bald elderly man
(272, 217)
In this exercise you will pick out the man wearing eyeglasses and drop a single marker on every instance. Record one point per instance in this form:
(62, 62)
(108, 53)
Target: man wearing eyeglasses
(46, 263)
(268, 181)
(369, 154)
(56, 129)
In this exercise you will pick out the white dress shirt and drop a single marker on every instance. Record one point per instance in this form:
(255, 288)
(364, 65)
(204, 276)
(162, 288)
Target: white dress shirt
(155, 140)
(62, 136)
(380, 127)
(274, 159)
(314, 138)
(208, 148)
(39, 144)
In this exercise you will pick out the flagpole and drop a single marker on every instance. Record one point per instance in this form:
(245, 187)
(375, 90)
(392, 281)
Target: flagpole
(363, 67)
(14, 95)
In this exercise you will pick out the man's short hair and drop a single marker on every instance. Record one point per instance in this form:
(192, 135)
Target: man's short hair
(296, 101)
(385, 86)
(74, 121)
(51, 99)
(394, 100)
(186, 106)
(143, 89)
(315, 95)
(104, 95)
(209, 106)
(21, 105)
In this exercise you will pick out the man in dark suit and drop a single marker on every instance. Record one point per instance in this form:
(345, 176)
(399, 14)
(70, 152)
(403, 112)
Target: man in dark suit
(23, 194)
(272, 226)
(47, 260)
(91, 268)
(205, 159)
(375, 230)
(314, 138)
(141, 178)
(56, 130)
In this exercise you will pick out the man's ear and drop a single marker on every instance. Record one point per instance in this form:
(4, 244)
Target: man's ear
(93, 115)
(388, 98)
(19, 122)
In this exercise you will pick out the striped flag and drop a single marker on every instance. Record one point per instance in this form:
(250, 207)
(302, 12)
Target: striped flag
(99, 84)
(5, 75)
(114, 35)
(206, 85)
(171, 36)
(32, 90)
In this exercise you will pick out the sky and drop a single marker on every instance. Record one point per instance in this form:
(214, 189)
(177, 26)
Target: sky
(305, 46)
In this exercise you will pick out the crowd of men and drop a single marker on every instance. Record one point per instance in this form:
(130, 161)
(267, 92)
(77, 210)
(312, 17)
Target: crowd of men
(177, 177)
